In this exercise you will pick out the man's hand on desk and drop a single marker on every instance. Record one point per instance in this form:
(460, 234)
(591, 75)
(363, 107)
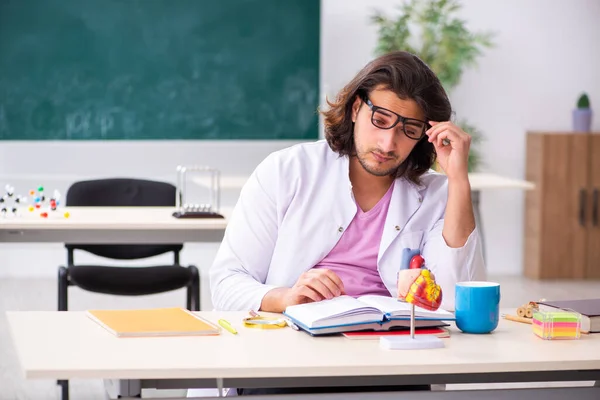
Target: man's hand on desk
(313, 285)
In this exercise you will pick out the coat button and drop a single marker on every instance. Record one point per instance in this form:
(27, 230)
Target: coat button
(397, 227)
(420, 199)
(340, 229)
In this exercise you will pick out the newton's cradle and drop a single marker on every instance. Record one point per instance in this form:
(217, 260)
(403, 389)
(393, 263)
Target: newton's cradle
(187, 209)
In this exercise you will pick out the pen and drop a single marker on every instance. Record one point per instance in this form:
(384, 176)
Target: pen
(227, 326)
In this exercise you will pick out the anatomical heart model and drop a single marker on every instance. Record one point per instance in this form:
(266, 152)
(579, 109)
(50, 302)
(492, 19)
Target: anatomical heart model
(416, 286)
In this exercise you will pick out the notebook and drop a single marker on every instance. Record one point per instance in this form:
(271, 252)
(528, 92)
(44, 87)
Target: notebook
(375, 335)
(153, 322)
(588, 308)
(346, 313)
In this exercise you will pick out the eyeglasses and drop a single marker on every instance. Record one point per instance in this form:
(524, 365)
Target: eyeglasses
(385, 119)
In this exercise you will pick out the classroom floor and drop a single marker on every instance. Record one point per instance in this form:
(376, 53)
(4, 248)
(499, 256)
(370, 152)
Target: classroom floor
(40, 294)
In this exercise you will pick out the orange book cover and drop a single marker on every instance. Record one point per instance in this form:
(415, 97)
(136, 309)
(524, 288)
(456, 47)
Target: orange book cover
(153, 322)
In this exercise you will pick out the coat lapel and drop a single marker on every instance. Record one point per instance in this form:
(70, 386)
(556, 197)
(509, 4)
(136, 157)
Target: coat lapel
(341, 209)
(406, 200)
(344, 207)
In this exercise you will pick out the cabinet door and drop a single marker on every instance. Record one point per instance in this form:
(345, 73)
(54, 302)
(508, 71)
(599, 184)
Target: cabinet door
(565, 203)
(579, 205)
(556, 219)
(593, 244)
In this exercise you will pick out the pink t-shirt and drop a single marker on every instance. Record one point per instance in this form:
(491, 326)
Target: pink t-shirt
(354, 257)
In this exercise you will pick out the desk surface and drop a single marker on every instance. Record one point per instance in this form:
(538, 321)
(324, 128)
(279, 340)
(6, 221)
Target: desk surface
(154, 218)
(479, 181)
(66, 345)
(110, 225)
(482, 181)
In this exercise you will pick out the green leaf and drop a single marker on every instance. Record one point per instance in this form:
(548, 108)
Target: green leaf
(584, 101)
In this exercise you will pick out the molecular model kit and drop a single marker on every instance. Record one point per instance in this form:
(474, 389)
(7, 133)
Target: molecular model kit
(35, 203)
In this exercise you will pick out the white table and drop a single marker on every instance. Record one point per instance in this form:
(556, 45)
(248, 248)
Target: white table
(110, 225)
(68, 345)
(479, 181)
(157, 225)
(485, 181)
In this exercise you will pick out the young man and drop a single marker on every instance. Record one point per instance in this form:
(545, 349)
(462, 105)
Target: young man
(322, 219)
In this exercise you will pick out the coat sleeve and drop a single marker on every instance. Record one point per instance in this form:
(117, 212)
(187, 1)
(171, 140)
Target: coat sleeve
(451, 265)
(240, 268)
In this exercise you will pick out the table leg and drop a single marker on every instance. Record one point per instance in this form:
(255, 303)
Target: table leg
(475, 196)
(220, 386)
(123, 388)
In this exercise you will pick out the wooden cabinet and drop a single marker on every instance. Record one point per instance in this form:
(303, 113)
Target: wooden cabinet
(562, 215)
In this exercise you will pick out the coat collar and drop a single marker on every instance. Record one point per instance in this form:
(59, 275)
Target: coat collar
(406, 199)
(344, 212)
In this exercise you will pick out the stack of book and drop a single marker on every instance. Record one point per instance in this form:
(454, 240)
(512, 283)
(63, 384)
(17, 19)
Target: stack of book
(588, 308)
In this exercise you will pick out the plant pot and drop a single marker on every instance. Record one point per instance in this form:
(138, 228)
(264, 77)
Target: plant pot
(582, 120)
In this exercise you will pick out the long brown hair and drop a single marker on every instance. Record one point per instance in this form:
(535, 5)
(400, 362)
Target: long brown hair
(410, 78)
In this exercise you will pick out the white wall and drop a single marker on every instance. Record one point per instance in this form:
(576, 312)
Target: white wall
(547, 53)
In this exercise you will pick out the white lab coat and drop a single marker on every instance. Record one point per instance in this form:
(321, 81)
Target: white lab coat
(295, 207)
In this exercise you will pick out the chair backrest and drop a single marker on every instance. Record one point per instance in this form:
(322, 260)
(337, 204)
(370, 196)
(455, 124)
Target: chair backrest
(122, 192)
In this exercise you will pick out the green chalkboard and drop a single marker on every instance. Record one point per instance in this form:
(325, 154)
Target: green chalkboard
(159, 69)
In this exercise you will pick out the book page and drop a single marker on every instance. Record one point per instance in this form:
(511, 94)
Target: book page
(386, 304)
(397, 308)
(312, 314)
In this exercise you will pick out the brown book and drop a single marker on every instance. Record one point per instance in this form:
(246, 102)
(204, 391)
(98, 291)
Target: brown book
(588, 308)
(153, 322)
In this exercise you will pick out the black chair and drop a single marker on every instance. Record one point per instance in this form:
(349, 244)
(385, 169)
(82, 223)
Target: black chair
(122, 280)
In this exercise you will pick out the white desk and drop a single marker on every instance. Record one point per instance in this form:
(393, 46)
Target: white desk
(479, 181)
(110, 225)
(485, 181)
(68, 345)
(156, 224)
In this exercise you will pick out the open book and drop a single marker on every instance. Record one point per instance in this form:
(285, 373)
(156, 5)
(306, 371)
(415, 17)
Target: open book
(346, 313)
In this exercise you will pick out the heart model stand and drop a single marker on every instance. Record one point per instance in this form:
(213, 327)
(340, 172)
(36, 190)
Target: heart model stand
(423, 291)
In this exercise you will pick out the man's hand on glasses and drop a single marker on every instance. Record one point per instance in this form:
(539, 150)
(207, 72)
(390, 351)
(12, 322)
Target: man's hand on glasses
(452, 145)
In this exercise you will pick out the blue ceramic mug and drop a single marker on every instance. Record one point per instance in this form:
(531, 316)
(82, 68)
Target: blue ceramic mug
(477, 306)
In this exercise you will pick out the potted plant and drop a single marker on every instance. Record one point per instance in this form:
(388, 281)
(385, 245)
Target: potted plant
(431, 30)
(582, 115)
